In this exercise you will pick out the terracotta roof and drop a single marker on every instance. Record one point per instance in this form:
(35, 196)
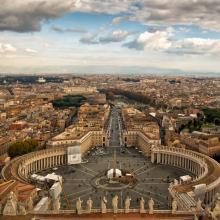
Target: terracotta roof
(6, 187)
(24, 190)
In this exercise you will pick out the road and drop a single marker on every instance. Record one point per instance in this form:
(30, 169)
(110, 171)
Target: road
(84, 180)
(114, 129)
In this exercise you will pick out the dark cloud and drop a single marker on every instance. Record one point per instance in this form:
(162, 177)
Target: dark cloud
(74, 30)
(137, 4)
(134, 45)
(114, 37)
(91, 39)
(28, 15)
(199, 12)
(202, 13)
(111, 39)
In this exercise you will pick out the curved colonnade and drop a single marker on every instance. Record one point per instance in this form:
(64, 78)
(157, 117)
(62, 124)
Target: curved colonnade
(20, 168)
(185, 159)
(205, 169)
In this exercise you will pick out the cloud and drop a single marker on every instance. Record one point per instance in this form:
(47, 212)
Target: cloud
(118, 20)
(202, 13)
(113, 37)
(163, 41)
(7, 48)
(159, 40)
(104, 6)
(74, 30)
(197, 46)
(89, 39)
(183, 30)
(28, 15)
(116, 36)
(28, 50)
(10, 49)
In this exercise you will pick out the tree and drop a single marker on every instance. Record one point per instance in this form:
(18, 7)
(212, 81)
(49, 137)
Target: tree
(211, 114)
(22, 147)
(69, 101)
(217, 121)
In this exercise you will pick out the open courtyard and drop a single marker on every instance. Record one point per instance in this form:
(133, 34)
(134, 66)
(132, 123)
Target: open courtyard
(80, 180)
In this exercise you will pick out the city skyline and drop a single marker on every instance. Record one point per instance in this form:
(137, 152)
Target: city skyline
(110, 36)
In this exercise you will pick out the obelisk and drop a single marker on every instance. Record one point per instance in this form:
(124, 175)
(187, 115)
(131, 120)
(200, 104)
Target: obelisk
(114, 164)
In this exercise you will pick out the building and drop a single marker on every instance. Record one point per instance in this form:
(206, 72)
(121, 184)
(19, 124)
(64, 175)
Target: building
(41, 80)
(202, 142)
(139, 130)
(89, 130)
(77, 90)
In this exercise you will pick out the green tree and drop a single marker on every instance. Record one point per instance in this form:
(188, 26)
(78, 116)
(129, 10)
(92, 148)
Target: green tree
(211, 114)
(22, 147)
(217, 121)
(69, 101)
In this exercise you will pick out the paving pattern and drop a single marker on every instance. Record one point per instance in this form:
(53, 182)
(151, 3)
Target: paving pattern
(152, 178)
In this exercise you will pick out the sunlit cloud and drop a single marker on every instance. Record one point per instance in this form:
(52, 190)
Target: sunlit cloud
(139, 34)
(29, 50)
(7, 48)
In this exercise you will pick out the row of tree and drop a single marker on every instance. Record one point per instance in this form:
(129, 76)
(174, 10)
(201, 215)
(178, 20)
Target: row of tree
(22, 147)
(135, 96)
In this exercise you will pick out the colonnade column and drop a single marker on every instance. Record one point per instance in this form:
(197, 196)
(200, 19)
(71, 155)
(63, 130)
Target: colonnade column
(41, 163)
(152, 157)
(47, 162)
(62, 159)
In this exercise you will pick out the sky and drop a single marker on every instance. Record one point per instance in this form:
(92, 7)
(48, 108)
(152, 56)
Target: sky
(110, 36)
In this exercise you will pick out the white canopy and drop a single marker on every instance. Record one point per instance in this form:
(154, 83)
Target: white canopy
(53, 176)
(186, 178)
(111, 171)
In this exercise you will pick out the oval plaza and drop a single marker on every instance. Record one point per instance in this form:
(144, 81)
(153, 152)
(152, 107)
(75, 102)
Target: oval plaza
(118, 168)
